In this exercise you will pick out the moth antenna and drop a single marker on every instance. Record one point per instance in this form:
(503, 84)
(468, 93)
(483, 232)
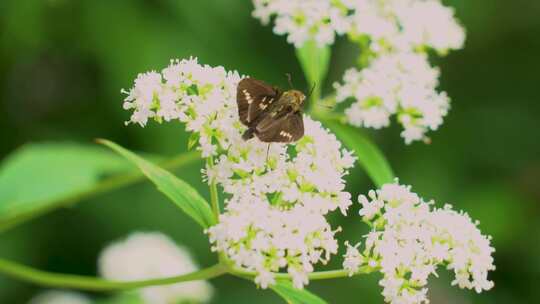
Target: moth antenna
(311, 91)
(267, 151)
(319, 104)
(325, 106)
(289, 78)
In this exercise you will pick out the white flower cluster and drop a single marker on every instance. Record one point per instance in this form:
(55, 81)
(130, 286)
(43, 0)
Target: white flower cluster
(401, 84)
(399, 80)
(60, 297)
(150, 256)
(303, 20)
(410, 239)
(275, 215)
(189, 92)
(277, 200)
(401, 25)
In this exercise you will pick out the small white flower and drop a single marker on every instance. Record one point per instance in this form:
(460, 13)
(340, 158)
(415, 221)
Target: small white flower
(411, 239)
(150, 256)
(60, 297)
(352, 259)
(369, 209)
(265, 278)
(401, 84)
(299, 276)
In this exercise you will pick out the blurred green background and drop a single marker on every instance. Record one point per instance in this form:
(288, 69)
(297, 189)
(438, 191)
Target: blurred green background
(62, 64)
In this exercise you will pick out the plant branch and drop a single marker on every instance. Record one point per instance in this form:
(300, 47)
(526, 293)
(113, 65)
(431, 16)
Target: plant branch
(67, 281)
(318, 275)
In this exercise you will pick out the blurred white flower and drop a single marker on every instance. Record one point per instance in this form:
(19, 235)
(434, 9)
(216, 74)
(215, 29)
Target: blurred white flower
(402, 25)
(398, 79)
(276, 202)
(401, 84)
(410, 239)
(145, 256)
(60, 297)
(428, 23)
(406, 25)
(303, 20)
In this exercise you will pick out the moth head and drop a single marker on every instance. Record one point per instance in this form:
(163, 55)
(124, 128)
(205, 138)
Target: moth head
(297, 98)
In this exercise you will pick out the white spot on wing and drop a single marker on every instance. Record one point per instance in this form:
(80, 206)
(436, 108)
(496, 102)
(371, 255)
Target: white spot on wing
(248, 96)
(285, 134)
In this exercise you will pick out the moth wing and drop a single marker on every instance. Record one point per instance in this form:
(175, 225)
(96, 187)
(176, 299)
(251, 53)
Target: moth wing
(286, 129)
(269, 120)
(253, 97)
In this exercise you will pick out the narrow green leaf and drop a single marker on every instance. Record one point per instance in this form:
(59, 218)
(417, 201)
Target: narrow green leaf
(38, 177)
(314, 61)
(368, 154)
(295, 296)
(181, 193)
(193, 140)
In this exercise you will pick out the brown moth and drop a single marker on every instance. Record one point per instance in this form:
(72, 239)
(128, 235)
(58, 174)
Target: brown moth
(269, 113)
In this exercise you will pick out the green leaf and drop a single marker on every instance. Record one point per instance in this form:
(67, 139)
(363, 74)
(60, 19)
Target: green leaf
(38, 178)
(368, 154)
(314, 61)
(181, 193)
(295, 296)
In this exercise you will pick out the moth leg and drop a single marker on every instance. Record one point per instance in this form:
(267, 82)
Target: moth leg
(267, 151)
(248, 134)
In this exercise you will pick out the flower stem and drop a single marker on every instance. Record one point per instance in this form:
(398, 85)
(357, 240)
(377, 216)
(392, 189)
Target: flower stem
(214, 201)
(67, 281)
(106, 185)
(318, 275)
(214, 197)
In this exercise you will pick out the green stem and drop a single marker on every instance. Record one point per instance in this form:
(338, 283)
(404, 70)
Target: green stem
(106, 185)
(214, 201)
(318, 275)
(67, 281)
(214, 197)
